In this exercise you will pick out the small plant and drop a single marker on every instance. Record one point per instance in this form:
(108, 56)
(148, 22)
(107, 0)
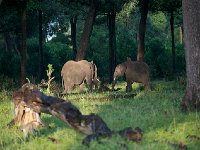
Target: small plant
(47, 83)
(49, 71)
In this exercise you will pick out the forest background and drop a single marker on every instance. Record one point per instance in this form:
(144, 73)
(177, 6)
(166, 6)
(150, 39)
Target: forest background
(55, 19)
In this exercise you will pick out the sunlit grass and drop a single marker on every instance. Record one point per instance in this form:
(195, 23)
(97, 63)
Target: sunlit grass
(156, 112)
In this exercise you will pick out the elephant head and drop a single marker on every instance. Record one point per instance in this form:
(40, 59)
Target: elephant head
(119, 71)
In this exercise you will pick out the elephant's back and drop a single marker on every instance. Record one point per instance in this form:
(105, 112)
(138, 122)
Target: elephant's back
(140, 67)
(138, 71)
(72, 70)
(69, 65)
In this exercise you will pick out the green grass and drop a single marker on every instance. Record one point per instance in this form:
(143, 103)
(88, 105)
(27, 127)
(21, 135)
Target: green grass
(156, 112)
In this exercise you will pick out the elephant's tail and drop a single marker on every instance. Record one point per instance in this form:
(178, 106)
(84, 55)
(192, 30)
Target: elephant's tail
(62, 80)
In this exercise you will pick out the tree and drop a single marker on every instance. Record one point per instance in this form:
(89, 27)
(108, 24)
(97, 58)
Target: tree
(170, 7)
(112, 7)
(20, 6)
(73, 21)
(86, 31)
(173, 42)
(100, 6)
(23, 50)
(40, 53)
(142, 27)
(112, 43)
(191, 22)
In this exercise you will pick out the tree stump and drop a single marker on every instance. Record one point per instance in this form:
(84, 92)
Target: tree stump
(26, 118)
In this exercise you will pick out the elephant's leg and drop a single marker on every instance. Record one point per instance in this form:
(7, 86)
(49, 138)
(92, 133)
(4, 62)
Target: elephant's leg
(89, 83)
(147, 86)
(64, 85)
(81, 87)
(68, 87)
(64, 92)
(129, 86)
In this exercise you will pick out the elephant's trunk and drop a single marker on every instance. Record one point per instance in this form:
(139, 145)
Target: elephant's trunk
(95, 83)
(113, 84)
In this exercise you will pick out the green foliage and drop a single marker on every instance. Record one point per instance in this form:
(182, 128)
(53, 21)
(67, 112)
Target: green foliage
(156, 112)
(8, 84)
(57, 53)
(32, 56)
(9, 64)
(157, 58)
(98, 51)
(127, 9)
(166, 5)
(159, 21)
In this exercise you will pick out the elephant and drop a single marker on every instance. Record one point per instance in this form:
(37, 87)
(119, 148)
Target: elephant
(76, 72)
(135, 71)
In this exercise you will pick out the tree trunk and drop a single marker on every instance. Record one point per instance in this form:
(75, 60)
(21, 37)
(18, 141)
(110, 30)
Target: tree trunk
(73, 21)
(23, 51)
(142, 27)
(86, 32)
(41, 64)
(181, 34)
(191, 22)
(112, 44)
(173, 44)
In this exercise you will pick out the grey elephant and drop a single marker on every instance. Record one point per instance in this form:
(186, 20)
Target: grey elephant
(76, 72)
(134, 71)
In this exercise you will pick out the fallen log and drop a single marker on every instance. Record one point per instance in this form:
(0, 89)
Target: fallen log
(92, 125)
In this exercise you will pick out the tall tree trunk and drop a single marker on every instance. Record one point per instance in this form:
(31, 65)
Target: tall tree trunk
(73, 21)
(41, 60)
(191, 22)
(142, 27)
(23, 51)
(181, 34)
(173, 44)
(112, 44)
(85, 37)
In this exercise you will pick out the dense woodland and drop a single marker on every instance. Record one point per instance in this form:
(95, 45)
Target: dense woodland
(57, 30)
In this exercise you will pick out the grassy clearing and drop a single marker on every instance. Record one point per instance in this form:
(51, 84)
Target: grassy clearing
(156, 112)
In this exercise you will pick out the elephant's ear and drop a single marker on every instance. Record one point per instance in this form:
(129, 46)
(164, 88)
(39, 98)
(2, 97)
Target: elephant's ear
(128, 59)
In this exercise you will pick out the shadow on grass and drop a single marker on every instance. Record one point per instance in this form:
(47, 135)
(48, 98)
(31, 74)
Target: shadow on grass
(52, 125)
(155, 112)
(110, 97)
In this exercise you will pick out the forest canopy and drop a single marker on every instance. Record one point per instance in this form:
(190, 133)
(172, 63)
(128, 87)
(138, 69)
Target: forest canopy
(56, 19)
